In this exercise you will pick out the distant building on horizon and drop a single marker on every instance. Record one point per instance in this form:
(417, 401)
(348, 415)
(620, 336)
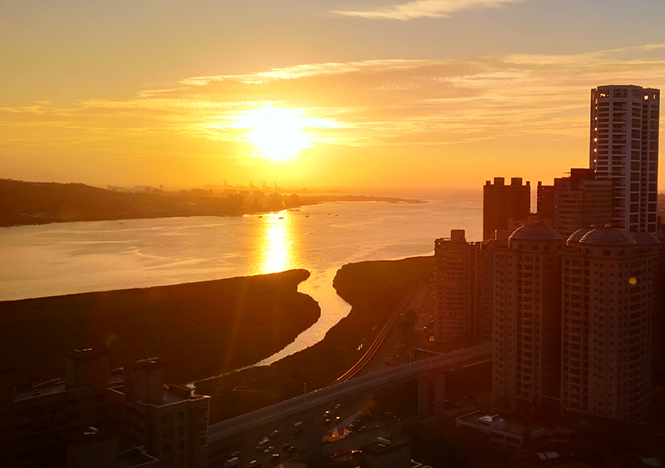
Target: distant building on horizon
(505, 207)
(545, 203)
(623, 148)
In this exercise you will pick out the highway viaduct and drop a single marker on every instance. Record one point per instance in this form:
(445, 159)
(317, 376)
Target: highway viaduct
(309, 407)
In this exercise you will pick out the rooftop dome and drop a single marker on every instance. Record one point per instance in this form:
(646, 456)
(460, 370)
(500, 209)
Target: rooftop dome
(535, 232)
(577, 235)
(607, 236)
(645, 238)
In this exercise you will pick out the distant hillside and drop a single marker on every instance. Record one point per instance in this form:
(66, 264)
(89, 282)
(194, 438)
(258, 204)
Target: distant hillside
(41, 203)
(49, 202)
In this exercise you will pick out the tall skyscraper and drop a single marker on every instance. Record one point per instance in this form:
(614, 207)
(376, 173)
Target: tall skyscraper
(624, 149)
(505, 207)
(607, 304)
(526, 328)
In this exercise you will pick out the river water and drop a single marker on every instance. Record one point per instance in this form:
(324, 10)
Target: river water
(68, 258)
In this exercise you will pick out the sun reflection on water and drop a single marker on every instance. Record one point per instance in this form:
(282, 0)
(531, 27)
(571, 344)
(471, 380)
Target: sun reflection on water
(277, 255)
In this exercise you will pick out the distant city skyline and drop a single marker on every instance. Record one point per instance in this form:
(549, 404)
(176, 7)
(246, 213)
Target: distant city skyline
(341, 94)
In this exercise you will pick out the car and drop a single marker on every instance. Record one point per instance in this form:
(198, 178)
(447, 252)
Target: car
(285, 447)
(254, 464)
(274, 434)
(326, 414)
(269, 449)
(275, 457)
(338, 418)
(292, 448)
(326, 421)
(337, 406)
(235, 454)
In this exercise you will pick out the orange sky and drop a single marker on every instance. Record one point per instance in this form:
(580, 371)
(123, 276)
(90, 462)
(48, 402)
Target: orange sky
(416, 117)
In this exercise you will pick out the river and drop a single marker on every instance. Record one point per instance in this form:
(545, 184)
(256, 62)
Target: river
(66, 258)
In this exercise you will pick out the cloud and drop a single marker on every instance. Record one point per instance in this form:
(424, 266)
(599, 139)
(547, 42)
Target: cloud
(369, 103)
(425, 9)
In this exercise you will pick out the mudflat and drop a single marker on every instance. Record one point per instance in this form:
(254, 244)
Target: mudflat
(199, 329)
(373, 289)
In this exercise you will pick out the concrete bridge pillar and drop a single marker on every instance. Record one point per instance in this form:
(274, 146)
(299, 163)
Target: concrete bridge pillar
(423, 397)
(313, 435)
(440, 395)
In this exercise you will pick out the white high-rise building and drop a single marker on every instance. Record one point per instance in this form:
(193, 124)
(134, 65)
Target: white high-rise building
(624, 149)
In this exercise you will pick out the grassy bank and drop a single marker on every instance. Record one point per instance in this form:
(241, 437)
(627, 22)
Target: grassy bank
(199, 329)
(373, 289)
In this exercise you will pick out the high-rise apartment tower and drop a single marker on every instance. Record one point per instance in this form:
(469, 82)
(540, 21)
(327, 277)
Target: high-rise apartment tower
(526, 328)
(608, 300)
(505, 207)
(624, 149)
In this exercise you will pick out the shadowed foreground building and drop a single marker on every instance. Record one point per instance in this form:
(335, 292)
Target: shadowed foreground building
(94, 416)
(463, 282)
(527, 317)
(34, 420)
(573, 325)
(168, 420)
(608, 300)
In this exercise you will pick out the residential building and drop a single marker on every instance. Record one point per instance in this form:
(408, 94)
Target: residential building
(526, 293)
(169, 421)
(624, 149)
(33, 419)
(607, 306)
(505, 207)
(463, 282)
(580, 201)
(545, 204)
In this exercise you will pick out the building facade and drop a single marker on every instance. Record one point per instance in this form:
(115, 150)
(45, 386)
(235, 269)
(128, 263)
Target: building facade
(169, 421)
(607, 305)
(462, 291)
(34, 419)
(526, 326)
(624, 149)
(581, 200)
(505, 207)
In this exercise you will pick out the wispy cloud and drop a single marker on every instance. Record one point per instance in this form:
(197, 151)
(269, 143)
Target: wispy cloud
(425, 9)
(376, 102)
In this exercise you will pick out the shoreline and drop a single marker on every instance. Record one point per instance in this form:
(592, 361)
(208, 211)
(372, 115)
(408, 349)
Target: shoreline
(373, 289)
(198, 329)
(38, 203)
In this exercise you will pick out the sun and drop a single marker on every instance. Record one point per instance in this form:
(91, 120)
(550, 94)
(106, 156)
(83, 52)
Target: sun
(278, 134)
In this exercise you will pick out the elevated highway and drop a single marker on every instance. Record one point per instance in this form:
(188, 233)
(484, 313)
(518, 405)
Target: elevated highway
(311, 405)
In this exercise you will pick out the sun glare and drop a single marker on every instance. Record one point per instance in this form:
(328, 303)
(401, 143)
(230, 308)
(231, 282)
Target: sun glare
(278, 134)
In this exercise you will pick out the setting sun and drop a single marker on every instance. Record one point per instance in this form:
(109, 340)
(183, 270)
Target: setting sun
(278, 134)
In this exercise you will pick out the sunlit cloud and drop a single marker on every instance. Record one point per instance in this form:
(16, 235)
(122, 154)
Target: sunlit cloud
(364, 103)
(425, 9)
